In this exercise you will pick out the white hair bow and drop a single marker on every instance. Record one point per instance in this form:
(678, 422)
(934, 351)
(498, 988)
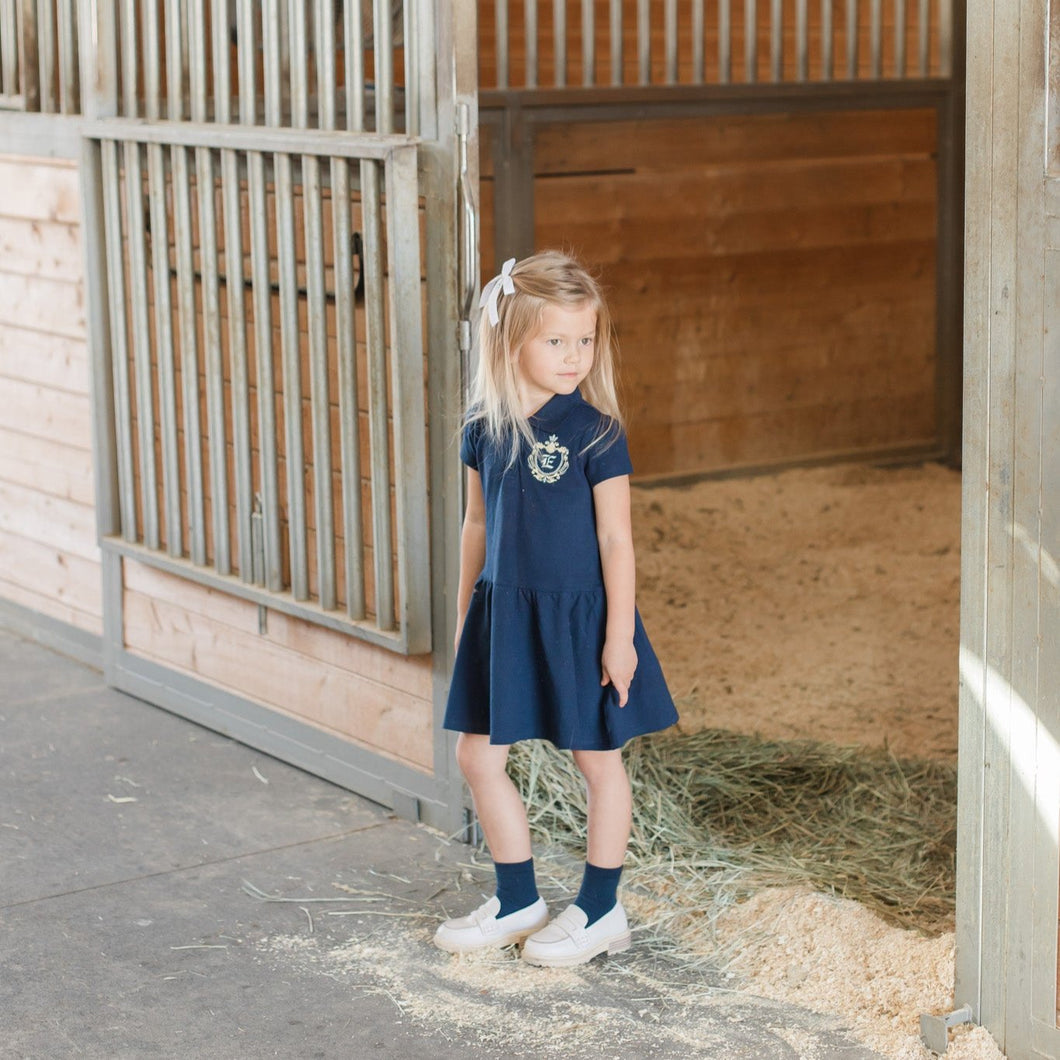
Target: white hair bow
(491, 293)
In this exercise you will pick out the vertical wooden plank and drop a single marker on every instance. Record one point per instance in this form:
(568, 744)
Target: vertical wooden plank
(378, 405)
(269, 516)
(346, 353)
(320, 409)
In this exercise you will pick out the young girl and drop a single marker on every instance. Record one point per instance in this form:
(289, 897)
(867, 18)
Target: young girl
(549, 642)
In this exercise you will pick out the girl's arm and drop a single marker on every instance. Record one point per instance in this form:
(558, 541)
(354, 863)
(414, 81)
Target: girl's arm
(614, 532)
(472, 548)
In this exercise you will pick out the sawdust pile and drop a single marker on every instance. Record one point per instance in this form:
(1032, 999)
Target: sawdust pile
(820, 603)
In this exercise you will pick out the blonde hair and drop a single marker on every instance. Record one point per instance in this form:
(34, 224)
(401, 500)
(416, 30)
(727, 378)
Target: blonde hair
(547, 278)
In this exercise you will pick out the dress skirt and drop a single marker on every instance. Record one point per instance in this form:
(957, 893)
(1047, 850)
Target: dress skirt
(528, 667)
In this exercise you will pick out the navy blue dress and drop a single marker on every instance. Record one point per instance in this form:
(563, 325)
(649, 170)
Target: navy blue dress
(528, 662)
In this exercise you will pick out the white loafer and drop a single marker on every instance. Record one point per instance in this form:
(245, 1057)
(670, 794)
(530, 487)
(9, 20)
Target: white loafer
(483, 929)
(567, 941)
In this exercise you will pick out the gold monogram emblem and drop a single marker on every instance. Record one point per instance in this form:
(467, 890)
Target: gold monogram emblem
(548, 460)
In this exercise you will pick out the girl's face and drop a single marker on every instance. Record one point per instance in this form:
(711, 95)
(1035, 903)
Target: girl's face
(557, 357)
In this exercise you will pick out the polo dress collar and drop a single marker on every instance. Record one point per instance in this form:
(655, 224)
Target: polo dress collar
(555, 409)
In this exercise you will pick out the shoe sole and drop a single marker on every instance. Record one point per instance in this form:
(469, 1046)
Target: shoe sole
(610, 946)
(499, 943)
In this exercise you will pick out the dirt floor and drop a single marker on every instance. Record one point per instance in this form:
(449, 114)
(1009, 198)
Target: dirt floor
(819, 603)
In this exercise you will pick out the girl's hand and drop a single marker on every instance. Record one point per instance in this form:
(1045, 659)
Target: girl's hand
(619, 663)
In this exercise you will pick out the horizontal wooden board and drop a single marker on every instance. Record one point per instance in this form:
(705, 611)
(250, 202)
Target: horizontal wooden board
(69, 580)
(62, 524)
(46, 466)
(31, 247)
(42, 412)
(40, 190)
(188, 638)
(48, 606)
(53, 361)
(55, 307)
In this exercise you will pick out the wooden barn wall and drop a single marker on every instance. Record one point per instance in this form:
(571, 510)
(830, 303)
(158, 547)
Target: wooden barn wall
(49, 559)
(772, 276)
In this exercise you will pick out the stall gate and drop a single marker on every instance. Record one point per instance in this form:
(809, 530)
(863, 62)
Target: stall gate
(271, 211)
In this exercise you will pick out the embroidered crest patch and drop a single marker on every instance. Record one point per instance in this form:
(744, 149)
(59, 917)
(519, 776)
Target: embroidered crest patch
(548, 460)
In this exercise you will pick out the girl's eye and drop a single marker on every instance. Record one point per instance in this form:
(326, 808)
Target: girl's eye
(587, 341)
(553, 342)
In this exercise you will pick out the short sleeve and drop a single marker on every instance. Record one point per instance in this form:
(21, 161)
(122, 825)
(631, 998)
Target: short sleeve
(608, 458)
(469, 443)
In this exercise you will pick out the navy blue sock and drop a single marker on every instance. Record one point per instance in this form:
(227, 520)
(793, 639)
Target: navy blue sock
(599, 891)
(516, 886)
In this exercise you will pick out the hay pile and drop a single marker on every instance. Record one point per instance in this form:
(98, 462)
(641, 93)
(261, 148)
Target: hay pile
(718, 815)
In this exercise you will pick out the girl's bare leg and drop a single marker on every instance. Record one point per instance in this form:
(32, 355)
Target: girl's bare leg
(498, 803)
(610, 806)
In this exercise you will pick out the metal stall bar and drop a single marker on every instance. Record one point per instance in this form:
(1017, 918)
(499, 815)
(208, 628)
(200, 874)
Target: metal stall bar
(750, 40)
(272, 59)
(589, 42)
(876, 39)
(221, 62)
(271, 573)
(189, 352)
(298, 80)
(29, 71)
(698, 47)
(384, 68)
(802, 41)
(827, 40)
(174, 40)
(327, 82)
(776, 40)
(141, 336)
(152, 62)
(853, 32)
(617, 74)
(724, 41)
(349, 406)
(69, 81)
(670, 41)
(644, 42)
(290, 348)
(946, 30)
(163, 345)
(405, 298)
(130, 59)
(375, 339)
(559, 37)
(119, 343)
(46, 55)
(10, 86)
(530, 36)
(354, 54)
(320, 406)
(500, 38)
(246, 58)
(899, 38)
(924, 39)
